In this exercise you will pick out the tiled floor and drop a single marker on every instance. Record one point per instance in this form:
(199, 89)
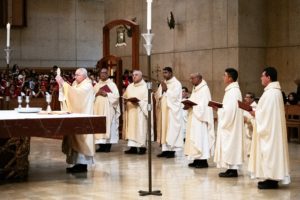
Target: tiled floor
(118, 176)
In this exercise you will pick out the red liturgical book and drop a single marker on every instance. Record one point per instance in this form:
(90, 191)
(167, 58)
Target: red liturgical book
(215, 104)
(188, 102)
(244, 106)
(105, 88)
(132, 99)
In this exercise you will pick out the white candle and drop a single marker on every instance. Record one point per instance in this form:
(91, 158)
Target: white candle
(8, 35)
(149, 15)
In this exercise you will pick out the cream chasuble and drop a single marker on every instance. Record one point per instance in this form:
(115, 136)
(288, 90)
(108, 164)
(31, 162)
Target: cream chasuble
(200, 136)
(249, 123)
(108, 106)
(169, 114)
(135, 117)
(79, 98)
(229, 144)
(269, 158)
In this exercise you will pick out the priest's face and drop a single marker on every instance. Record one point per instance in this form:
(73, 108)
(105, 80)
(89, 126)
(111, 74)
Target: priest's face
(103, 74)
(195, 80)
(136, 77)
(265, 80)
(167, 75)
(79, 77)
(227, 79)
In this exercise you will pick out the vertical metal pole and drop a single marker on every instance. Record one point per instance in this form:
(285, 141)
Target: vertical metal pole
(149, 124)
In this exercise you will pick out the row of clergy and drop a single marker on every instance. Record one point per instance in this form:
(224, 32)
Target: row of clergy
(265, 123)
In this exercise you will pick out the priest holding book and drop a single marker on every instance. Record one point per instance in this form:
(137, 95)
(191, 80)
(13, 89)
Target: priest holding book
(200, 136)
(136, 114)
(229, 144)
(106, 103)
(249, 122)
(269, 158)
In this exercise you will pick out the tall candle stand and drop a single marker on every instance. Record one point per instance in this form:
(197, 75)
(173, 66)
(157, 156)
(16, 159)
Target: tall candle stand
(7, 50)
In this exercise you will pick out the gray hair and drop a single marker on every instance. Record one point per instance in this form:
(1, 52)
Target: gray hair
(139, 72)
(83, 72)
(197, 74)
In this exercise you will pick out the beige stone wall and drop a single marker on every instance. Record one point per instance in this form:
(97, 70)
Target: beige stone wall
(66, 33)
(284, 41)
(205, 38)
(209, 36)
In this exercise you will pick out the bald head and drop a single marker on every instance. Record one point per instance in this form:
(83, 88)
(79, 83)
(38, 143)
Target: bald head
(196, 78)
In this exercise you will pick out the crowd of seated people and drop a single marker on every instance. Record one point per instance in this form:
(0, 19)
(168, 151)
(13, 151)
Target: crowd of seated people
(28, 82)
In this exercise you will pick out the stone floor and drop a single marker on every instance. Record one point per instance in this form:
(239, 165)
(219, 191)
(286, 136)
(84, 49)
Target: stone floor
(117, 176)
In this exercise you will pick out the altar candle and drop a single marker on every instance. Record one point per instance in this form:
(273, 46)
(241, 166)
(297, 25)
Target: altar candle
(149, 15)
(8, 34)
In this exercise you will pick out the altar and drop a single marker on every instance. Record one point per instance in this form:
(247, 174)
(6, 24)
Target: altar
(17, 128)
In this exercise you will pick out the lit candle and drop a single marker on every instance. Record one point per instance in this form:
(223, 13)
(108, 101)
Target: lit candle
(8, 35)
(149, 15)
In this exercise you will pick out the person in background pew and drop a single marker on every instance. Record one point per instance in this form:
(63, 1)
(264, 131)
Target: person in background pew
(292, 99)
(269, 157)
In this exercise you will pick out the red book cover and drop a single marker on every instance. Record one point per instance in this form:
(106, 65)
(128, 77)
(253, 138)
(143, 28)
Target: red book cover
(215, 104)
(244, 106)
(188, 102)
(106, 89)
(132, 99)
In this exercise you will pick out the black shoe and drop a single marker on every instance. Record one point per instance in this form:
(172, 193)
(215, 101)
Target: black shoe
(268, 184)
(201, 164)
(171, 154)
(162, 154)
(132, 150)
(193, 164)
(107, 147)
(78, 168)
(230, 173)
(101, 148)
(142, 150)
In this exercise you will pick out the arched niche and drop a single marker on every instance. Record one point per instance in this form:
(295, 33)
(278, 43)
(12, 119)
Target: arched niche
(135, 39)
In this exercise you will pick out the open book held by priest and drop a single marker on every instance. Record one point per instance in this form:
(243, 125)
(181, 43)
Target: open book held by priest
(244, 106)
(106, 89)
(131, 99)
(188, 102)
(215, 104)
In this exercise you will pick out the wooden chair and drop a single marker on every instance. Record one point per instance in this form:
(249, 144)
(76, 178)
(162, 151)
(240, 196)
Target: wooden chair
(292, 114)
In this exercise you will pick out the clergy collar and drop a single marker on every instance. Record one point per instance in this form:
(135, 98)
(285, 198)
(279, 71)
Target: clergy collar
(273, 85)
(139, 83)
(232, 85)
(87, 80)
(107, 81)
(171, 80)
(203, 83)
